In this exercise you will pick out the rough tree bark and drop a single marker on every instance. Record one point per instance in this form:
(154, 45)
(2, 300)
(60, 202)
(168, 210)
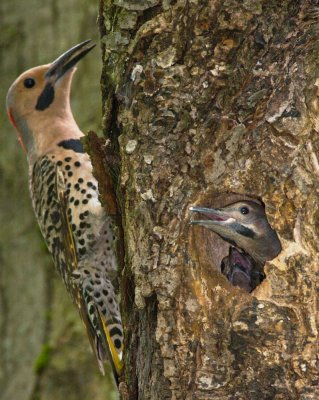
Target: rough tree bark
(207, 101)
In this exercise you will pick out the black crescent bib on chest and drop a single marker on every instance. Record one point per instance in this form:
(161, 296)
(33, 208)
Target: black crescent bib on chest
(46, 97)
(72, 144)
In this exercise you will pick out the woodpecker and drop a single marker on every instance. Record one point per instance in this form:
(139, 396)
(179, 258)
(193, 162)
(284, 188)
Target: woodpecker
(242, 270)
(65, 197)
(245, 226)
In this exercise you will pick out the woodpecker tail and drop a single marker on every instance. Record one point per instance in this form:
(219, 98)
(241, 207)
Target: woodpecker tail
(93, 294)
(108, 336)
(104, 317)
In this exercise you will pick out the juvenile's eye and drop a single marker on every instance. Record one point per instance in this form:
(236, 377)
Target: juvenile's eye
(29, 83)
(244, 210)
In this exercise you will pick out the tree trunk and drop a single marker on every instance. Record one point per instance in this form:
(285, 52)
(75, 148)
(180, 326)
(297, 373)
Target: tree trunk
(206, 102)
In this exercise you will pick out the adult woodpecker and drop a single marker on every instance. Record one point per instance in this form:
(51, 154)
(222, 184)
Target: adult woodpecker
(65, 198)
(245, 226)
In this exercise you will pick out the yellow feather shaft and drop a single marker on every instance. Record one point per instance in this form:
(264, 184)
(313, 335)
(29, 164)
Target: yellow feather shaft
(116, 359)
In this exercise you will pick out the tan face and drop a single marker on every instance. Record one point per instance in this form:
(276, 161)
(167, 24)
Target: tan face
(38, 100)
(34, 101)
(24, 93)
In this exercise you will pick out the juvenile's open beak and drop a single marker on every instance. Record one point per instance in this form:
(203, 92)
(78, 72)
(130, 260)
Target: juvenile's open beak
(215, 216)
(68, 60)
(221, 222)
(240, 261)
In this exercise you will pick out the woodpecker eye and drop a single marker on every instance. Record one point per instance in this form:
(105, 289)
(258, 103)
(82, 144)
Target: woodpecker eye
(244, 210)
(29, 83)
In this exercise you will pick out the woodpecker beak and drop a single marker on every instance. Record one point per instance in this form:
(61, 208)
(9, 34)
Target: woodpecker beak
(238, 269)
(68, 60)
(241, 271)
(57, 69)
(219, 221)
(240, 262)
(215, 216)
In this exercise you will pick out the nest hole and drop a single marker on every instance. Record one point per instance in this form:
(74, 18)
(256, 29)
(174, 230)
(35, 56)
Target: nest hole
(227, 260)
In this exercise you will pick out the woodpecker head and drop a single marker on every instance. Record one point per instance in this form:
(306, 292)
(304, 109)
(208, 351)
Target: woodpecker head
(243, 224)
(240, 270)
(41, 96)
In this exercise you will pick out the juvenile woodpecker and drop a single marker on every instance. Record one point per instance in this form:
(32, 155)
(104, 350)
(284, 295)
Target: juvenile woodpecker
(65, 198)
(242, 270)
(245, 226)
